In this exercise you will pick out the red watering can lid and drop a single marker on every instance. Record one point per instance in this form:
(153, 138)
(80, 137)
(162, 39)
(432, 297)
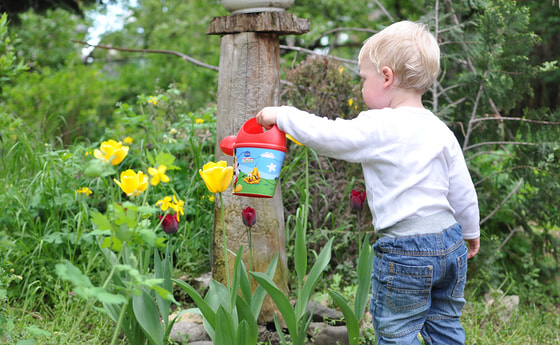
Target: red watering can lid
(252, 134)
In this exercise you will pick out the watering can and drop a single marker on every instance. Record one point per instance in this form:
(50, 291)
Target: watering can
(257, 159)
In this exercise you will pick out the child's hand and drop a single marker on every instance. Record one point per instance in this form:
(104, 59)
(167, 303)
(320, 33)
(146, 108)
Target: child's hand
(474, 246)
(267, 117)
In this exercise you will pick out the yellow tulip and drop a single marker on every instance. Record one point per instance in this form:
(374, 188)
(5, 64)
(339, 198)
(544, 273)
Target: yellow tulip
(133, 184)
(217, 176)
(111, 151)
(158, 175)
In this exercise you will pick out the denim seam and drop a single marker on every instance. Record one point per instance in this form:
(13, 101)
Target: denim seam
(401, 333)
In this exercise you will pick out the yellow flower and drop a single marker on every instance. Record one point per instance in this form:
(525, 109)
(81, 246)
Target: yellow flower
(178, 207)
(153, 100)
(133, 184)
(199, 121)
(84, 190)
(158, 175)
(217, 176)
(111, 152)
(165, 203)
(128, 140)
(340, 70)
(350, 102)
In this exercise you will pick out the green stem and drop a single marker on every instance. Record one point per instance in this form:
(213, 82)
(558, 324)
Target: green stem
(225, 241)
(110, 276)
(359, 233)
(119, 322)
(250, 249)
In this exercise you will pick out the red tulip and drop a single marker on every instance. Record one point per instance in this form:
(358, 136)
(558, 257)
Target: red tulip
(249, 216)
(357, 200)
(170, 224)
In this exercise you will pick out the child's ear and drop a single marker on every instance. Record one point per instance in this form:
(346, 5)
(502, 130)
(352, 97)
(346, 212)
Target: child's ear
(388, 76)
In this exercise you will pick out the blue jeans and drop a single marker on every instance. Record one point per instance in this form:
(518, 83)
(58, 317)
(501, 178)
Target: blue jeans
(418, 284)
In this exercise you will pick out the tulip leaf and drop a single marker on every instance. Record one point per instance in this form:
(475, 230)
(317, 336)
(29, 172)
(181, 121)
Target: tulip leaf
(244, 334)
(248, 320)
(320, 264)
(205, 309)
(282, 302)
(352, 324)
(225, 331)
(365, 263)
(146, 313)
(260, 292)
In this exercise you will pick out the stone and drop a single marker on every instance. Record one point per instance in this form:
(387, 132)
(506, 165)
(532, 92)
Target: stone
(507, 306)
(324, 334)
(186, 332)
(322, 313)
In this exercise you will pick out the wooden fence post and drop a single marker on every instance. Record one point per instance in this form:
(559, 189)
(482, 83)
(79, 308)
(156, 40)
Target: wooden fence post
(249, 79)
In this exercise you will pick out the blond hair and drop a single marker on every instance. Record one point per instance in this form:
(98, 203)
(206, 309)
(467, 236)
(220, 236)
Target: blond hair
(409, 49)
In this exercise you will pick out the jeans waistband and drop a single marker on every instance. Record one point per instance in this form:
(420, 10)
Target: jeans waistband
(420, 225)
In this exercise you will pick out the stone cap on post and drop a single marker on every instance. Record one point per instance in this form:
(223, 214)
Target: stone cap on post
(282, 23)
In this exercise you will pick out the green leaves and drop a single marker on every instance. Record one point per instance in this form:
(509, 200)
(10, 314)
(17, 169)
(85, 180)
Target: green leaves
(353, 317)
(231, 319)
(83, 286)
(297, 319)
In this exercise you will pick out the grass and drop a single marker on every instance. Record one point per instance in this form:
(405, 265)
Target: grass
(530, 325)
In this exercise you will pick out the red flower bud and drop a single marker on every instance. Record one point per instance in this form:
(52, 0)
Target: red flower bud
(249, 216)
(357, 200)
(170, 224)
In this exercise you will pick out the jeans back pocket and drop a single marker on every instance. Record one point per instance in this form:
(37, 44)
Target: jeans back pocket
(408, 287)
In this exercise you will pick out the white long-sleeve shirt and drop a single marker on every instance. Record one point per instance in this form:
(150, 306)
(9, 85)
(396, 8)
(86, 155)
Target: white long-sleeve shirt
(412, 163)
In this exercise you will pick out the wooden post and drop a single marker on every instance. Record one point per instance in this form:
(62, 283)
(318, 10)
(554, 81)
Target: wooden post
(249, 79)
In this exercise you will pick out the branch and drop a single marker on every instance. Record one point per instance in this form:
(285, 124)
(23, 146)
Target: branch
(516, 119)
(156, 51)
(508, 170)
(498, 143)
(311, 52)
(503, 202)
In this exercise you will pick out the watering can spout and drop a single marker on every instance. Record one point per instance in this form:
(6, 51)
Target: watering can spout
(227, 144)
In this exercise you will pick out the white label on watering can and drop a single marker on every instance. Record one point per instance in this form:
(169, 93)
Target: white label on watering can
(256, 171)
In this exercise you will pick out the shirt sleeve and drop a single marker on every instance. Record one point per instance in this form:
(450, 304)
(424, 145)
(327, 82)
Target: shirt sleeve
(462, 196)
(341, 139)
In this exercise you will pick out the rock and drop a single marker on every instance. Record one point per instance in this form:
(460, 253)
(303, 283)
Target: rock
(506, 306)
(322, 313)
(187, 332)
(324, 334)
